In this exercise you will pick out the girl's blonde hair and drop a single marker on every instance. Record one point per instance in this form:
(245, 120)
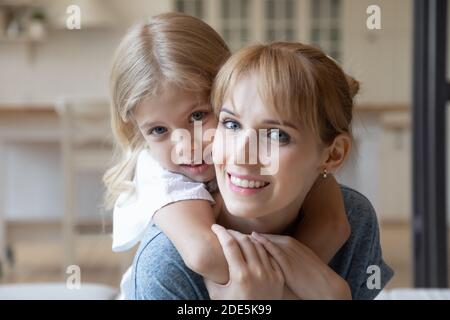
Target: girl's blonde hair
(169, 48)
(297, 81)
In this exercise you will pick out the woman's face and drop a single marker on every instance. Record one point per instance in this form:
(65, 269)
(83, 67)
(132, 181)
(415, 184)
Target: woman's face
(248, 193)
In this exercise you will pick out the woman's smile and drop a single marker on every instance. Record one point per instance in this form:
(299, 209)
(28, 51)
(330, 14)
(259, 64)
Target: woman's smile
(246, 185)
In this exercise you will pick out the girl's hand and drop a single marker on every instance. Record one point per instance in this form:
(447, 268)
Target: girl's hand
(254, 275)
(305, 274)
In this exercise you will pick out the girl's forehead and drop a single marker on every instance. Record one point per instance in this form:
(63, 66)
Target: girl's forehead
(171, 101)
(173, 95)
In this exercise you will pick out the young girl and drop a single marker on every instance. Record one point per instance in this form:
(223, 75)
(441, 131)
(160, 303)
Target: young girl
(161, 82)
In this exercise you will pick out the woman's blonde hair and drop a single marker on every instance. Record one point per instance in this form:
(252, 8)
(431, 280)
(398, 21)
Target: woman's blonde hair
(169, 48)
(297, 81)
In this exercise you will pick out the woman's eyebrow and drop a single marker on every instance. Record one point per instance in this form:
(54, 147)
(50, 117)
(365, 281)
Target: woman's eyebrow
(268, 121)
(227, 111)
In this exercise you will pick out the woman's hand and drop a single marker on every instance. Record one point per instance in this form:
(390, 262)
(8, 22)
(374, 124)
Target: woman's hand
(254, 275)
(305, 274)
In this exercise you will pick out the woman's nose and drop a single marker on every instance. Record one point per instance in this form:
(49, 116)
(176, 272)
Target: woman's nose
(246, 148)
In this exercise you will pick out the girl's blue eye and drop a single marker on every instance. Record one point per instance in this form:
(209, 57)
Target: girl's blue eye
(230, 124)
(157, 131)
(197, 116)
(279, 135)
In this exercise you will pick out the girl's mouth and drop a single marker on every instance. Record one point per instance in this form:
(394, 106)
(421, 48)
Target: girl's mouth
(195, 169)
(245, 185)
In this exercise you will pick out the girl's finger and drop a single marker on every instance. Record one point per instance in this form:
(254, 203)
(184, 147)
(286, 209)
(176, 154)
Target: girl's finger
(276, 267)
(274, 250)
(275, 238)
(231, 249)
(251, 256)
(263, 254)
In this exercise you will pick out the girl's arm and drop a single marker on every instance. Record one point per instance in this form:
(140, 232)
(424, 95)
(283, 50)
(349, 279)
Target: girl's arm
(188, 224)
(324, 227)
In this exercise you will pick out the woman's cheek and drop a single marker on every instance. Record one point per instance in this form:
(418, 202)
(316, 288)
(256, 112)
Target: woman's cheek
(294, 171)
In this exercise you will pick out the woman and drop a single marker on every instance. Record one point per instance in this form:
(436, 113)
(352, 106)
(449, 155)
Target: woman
(305, 101)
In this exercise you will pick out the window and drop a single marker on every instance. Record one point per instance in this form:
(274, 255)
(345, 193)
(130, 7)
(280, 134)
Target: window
(325, 26)
(192, 7)
(280, 20)
(235, 16)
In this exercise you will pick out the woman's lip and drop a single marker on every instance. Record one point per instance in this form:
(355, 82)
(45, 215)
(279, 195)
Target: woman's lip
(246, 177)
(241, 190)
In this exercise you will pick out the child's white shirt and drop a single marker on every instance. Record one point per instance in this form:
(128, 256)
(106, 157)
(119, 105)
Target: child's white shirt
(154, 188)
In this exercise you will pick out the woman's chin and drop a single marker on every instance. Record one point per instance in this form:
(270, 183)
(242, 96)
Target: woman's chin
(245, 211)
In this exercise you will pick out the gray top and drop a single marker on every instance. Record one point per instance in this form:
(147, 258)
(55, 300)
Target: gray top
(159, 272)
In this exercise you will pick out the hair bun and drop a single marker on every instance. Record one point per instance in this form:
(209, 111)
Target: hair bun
(353, 85)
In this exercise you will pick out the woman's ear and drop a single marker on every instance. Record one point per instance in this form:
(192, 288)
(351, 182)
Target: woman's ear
(337, 152)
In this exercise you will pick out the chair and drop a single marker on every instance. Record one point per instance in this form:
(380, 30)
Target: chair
(86, 145)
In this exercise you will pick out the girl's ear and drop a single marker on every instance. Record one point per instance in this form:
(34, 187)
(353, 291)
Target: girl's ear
(337, 152)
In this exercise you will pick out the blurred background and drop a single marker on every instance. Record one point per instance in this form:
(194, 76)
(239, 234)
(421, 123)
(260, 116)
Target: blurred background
(54, 128)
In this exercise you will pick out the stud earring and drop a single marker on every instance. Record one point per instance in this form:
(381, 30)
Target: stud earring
(325, 172)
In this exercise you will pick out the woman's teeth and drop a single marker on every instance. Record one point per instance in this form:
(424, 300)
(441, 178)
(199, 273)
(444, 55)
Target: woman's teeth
(247, 183)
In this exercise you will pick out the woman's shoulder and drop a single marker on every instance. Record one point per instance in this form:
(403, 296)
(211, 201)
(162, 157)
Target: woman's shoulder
(359, 209)
(362, 252)
(361, 215)
(355, 200)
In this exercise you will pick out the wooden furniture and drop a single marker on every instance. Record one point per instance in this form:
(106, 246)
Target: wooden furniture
(86, 145)
(84, 140)
(21, 124)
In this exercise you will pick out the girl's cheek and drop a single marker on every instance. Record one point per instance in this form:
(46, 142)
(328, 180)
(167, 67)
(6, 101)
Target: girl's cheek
(219, 147)
(208, 140)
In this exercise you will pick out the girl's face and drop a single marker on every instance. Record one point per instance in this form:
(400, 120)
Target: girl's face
(246, 192)
(176, 109)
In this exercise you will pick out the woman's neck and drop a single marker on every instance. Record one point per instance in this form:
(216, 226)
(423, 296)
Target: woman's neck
(274, 223)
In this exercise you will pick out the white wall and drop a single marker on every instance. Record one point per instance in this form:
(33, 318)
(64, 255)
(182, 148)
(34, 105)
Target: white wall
(379, 59)
(68, 64)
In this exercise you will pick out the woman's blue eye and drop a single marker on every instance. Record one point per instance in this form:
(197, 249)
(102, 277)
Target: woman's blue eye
(157, 131)
(230, 124)
(279, 135)
(197, 116)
